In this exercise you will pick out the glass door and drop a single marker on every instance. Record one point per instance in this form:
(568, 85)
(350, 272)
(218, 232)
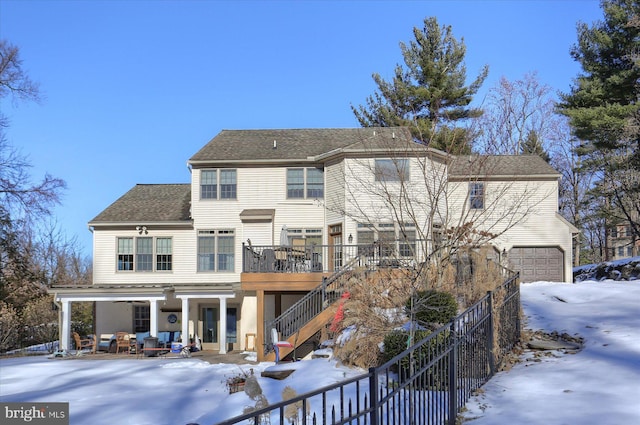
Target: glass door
(232, 328)
(335, 247)
(208, 327)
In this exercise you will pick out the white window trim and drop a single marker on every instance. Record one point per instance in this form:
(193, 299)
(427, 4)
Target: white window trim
(154, 254)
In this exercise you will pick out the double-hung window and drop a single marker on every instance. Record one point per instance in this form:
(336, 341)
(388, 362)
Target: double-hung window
(476, 195)
(138, 254)
(218, 184)
(125, 254)
(305, 183)
(144, 254)
(141, 318)
(386, 238)
(407, 240)
(216, 250)
(163, 254)
(391, 170)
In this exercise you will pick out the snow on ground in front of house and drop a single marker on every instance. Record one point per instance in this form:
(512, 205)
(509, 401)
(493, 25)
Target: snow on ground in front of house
(598, 385)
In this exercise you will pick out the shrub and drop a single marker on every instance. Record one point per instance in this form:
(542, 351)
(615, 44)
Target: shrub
(397, 341)
(436, 376)
(433, 306)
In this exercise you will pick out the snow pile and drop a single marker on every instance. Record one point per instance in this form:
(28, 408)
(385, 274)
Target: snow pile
(625, 269)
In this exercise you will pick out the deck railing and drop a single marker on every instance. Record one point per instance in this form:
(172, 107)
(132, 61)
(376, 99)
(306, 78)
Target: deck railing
(327, 258)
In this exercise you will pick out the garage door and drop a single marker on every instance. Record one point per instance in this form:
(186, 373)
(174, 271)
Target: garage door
(538, 263)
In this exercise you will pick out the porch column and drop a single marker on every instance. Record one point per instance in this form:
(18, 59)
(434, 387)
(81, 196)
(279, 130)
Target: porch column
(223, 325)
(153, 317)
(66, 326)
(185, 321)
(260, 339)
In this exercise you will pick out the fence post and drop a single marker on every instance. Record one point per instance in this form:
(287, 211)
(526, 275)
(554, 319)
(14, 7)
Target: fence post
(490, 337)
(518, 323)
(453, 373)
(373, 399)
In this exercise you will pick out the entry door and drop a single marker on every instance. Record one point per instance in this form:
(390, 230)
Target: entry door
(232, 329)
(335, 247)
(208, 327)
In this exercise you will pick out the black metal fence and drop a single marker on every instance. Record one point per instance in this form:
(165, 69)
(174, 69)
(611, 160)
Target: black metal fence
(427, 384)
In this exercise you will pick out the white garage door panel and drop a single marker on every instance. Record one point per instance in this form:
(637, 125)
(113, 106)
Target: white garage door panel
(538, 263)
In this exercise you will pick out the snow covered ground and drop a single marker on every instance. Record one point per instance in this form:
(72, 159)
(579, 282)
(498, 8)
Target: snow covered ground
(598, 385)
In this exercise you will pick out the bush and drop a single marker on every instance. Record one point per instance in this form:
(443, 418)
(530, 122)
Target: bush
(395, 342)
(433, 307)
(436, 377)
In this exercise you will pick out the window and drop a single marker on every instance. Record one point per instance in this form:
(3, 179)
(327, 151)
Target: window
(227, 184)
(629, 251)
(163, 254)
(366, 237)
(142, 250)
(315, 183)
(144, 254)
(209, 184)
(387, 239)
(141, 318)
(407, 241)
(295, 183)
(476, 196)
(392, 170)
(620, 251)
(305, 183)
(125, 253)
(206, 252)
(225, 250)
(216, 245)
(310, 236)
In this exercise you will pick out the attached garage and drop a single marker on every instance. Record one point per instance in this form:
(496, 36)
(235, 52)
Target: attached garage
(538, 263)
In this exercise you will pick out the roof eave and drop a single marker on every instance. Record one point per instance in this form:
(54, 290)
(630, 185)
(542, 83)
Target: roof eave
(181, 223)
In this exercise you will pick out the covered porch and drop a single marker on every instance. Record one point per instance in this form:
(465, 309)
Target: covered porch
(165, 309)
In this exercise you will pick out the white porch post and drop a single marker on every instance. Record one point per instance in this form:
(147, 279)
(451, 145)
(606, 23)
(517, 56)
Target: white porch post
(153, 318)
(223, 325)
(185, 321)
(66, 325)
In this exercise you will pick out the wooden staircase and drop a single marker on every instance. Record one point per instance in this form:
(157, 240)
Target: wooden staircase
(307, 316)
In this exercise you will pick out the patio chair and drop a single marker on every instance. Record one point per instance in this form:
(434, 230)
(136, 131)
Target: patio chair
(84, 344)
(123, 340)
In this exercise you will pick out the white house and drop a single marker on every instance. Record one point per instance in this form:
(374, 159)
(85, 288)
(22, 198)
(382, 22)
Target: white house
(269, 213)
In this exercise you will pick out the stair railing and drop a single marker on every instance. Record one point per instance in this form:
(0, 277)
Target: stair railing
(309, 306)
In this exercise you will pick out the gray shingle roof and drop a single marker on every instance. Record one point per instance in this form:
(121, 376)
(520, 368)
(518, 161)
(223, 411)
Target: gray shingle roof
(293, 144)
(500, 166)
(146, 203)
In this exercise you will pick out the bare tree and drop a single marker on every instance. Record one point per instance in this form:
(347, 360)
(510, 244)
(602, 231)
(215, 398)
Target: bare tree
(514, 110)
(408, 207)
(418, 199)
(575, 183)
(19, 196)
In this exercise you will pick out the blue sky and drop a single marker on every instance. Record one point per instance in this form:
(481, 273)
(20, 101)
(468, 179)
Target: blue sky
(132, 89)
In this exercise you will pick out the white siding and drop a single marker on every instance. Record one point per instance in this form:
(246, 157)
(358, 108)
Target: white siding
(183, 258)
(522, 213)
